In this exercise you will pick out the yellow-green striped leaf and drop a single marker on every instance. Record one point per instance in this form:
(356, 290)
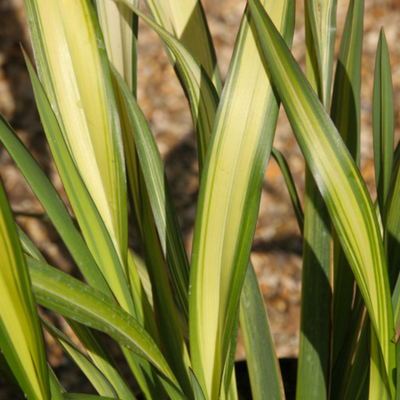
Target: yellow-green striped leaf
(392, 233)
(338, 180)
(315, 322)
(378, 384)
(119, 28)
(21, 340)
(95, 376)
(65, 34)
(54, 206)
(185, 20)
(230, 191)
(322, 19)
(86, 212)
(160, 196)
(345, 114)
(102, 359)
(203, 98)
(93, 228)
(170, 333)
(90, 340)
(75, 300)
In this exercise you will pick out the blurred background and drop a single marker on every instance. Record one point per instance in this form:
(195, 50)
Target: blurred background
(277, 247)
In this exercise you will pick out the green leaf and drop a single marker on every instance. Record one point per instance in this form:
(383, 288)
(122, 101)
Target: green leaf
(21, 339)
(321, 17)
(7, 373)
(198, 393)
(93, 228)
(201, 93)
(315, 323)
(345, 109)
(262, 362)
(346, 117)
(229, 197)
(57, 391)
(75, 300)
(383, 124)
(102, 359)
(160, 197)
(54, 206)
(357, 382)
(95, 376)
(398, 370)
(392, 233)
(76, 396)
(316, 295)
(338, 180)
(294, 197)
(344, 361)
(187, 22)
(120, 28)
(64, 36)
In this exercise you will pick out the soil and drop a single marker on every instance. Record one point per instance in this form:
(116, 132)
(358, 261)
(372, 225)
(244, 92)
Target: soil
(277, 248)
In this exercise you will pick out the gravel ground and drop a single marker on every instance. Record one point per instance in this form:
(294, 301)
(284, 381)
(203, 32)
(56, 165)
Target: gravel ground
(277, 245)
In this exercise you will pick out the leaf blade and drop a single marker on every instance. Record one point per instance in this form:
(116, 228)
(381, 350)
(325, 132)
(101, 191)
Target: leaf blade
(338, 179)
(73, 299)
(232, 177)
(21, 338)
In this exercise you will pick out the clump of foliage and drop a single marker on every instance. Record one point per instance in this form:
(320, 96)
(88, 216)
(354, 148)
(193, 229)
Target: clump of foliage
(178, 330)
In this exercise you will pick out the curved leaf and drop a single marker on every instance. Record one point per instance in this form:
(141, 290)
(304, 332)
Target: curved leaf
(21, 339)
(75, 300)
(338, 179)
(229, 197)
(85, 364)
(54, 206)
(187, 22)
(160, 197)
(65, 34)
(202, 95)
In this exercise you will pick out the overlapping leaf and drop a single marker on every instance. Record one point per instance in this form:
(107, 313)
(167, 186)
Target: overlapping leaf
(186, 21)
(65, 35)
(21, 339)
(338, 180)
(230, 190)
(73, 299)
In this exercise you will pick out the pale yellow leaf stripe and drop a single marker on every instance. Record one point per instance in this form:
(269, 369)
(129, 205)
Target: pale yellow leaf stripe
(116, 23)
(20, 335)
(339, 182)
(201, 93)
(77, 90)
(16, 322)
(237, 133)
(323, 24)
(185, 20)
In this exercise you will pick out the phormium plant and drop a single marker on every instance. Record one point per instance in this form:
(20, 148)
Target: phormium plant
(178, 330)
